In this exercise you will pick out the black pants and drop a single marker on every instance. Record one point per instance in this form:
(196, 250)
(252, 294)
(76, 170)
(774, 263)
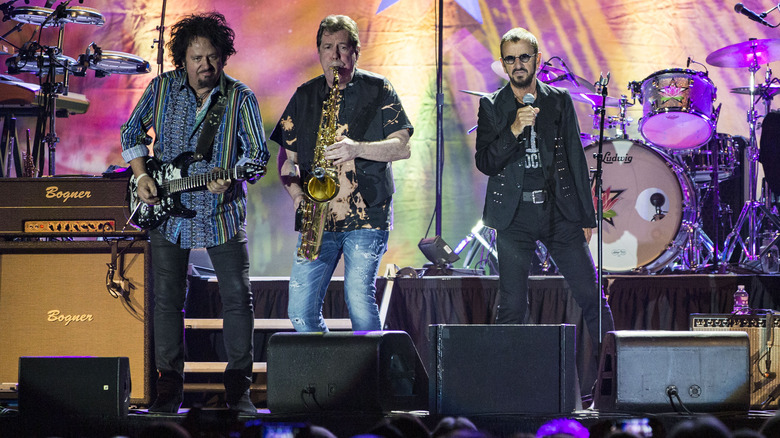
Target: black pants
(566, 243)
(231, 264)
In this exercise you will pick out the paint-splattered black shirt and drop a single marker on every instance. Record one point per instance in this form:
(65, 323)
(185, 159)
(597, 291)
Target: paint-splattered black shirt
(370, 110)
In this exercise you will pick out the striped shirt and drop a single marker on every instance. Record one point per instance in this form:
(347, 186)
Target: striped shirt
(168, 107)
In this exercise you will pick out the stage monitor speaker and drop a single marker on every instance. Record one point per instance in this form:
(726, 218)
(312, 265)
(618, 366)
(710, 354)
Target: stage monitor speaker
(666, 371)
(764, 356)
(74, 387)
(502, 369)
(57, 299)
(345, 371)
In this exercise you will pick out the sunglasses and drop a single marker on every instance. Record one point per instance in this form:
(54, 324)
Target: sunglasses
(509, 59)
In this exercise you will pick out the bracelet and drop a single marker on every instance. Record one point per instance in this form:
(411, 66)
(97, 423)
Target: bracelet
(138, 178)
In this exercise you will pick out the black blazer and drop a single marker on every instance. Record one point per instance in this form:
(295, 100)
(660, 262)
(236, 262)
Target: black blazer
(500, 156)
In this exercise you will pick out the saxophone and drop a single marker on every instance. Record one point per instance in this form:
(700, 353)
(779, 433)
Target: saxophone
(322, 184)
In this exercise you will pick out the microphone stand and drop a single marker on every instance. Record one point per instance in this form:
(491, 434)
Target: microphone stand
(602, 84)
(160, 41)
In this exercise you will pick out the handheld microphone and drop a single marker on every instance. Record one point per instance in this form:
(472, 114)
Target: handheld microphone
(530, 134)
(741, 9)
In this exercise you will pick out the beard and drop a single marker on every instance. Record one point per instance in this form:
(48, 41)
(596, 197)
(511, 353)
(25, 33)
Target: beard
(524, 83)
(206, 83)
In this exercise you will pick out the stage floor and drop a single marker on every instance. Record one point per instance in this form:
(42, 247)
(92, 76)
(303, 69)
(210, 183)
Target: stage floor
(639, 302)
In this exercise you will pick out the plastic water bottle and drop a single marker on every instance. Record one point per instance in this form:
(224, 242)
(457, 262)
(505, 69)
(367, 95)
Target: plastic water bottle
(741, 301)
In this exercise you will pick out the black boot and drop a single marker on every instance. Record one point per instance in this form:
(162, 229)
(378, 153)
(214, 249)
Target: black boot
(237, 392)
(170, 392)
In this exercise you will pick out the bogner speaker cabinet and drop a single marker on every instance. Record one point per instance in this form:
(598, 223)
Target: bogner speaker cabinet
(59, 299)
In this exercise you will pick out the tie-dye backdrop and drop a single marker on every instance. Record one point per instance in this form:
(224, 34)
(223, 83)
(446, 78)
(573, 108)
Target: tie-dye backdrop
(631, 39)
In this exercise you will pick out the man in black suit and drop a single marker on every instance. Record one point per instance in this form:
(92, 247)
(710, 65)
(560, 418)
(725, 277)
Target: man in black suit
(538, 187)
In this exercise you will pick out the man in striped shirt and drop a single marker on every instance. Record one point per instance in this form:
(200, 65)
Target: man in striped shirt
(179, 106)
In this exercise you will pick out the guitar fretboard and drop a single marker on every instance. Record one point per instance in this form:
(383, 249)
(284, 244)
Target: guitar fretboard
(196, 182)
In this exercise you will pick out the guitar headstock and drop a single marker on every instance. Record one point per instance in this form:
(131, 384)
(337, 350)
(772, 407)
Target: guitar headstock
(249, 170)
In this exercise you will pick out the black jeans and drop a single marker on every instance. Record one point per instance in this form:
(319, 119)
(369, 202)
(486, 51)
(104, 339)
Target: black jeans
(231, 264)
(565, 242)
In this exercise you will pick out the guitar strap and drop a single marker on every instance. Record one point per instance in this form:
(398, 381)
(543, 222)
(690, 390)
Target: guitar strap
(212, 120)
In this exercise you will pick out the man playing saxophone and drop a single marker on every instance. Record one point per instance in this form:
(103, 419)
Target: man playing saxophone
(369, 129)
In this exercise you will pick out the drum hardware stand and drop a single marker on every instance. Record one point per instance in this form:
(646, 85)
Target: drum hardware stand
(623, 121)
(691, 254)
(620, 122)
(50, 89)
(9, 147)
(753, 212)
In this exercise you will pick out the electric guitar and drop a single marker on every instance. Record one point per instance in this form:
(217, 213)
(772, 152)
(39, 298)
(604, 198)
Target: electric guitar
(172, 180)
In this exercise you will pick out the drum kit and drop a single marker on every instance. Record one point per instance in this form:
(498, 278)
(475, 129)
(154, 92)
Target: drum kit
(653, 189)
(54, 68)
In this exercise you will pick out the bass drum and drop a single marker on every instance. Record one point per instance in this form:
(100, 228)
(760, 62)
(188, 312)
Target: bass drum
(648, 203)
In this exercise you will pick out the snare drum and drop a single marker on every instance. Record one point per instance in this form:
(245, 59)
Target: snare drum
(83, 15)
(677, 109)
(700, 163)
(647, 199)
(120, 63)
(16, 65)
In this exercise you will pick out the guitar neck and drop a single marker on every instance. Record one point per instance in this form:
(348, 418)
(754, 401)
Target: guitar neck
(197, 182)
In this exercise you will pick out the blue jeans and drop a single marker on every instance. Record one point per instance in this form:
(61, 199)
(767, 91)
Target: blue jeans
(362, 250)
(231, 264)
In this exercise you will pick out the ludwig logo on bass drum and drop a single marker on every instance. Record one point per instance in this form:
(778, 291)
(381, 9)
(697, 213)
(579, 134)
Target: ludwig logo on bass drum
(609, 158)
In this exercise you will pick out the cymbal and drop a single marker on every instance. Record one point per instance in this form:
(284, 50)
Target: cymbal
(746, 53)
(38, 15)
(595, 99)
(32, 15)
(770, 91)
(560, 78)
(499, 70)
(475, 93)
(552, 76)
